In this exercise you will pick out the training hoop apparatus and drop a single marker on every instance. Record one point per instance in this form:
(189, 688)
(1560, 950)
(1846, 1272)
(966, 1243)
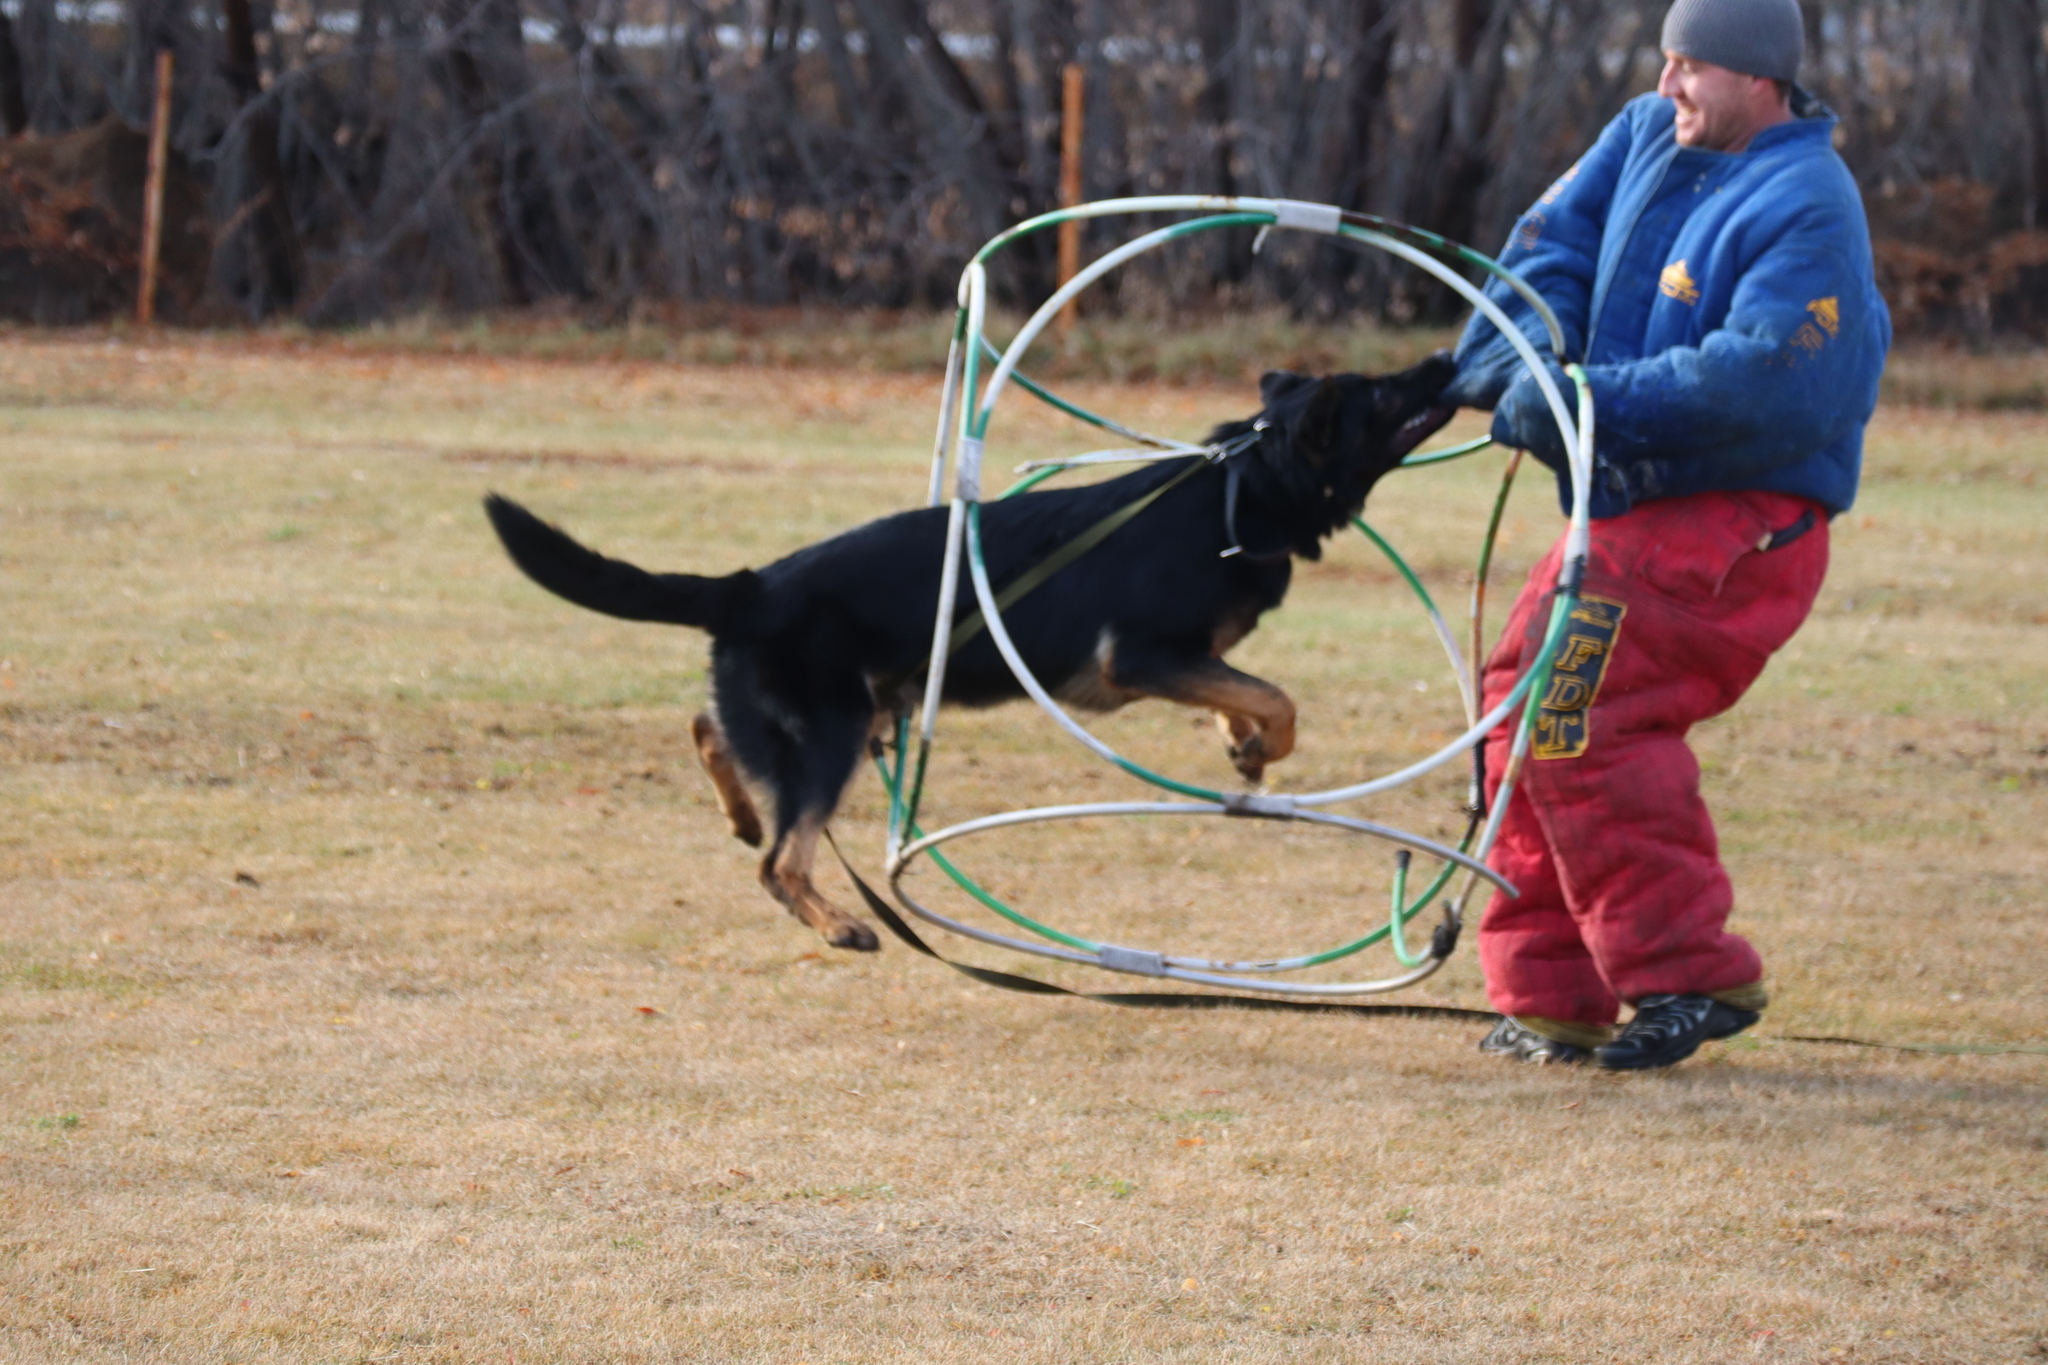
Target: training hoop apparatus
(966, 407)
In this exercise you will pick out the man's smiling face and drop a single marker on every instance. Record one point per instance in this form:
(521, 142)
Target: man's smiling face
(1719, 110)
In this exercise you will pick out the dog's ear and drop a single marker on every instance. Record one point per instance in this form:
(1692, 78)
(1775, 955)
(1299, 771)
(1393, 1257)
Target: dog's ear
(1277, 384)
(1313, 429)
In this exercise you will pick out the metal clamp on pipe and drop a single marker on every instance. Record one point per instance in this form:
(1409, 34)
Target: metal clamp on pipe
(1253, 806)
(1136, 961)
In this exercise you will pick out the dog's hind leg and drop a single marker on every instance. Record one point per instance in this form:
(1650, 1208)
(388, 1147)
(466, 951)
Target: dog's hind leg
(1257, 716)
(716, 756)
(786, 872)
(809, 779)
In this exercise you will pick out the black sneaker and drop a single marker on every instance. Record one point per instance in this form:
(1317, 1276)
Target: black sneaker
(1668, 1029)
(1510, 1039)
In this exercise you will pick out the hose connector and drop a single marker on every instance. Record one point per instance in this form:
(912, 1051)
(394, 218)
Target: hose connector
(1253, 806)
(1444, 941)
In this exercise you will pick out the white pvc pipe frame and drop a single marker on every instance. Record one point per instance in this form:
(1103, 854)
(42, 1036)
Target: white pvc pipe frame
(957, 418)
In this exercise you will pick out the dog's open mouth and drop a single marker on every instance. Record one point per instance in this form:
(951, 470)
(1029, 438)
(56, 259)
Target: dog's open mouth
(1420, 428)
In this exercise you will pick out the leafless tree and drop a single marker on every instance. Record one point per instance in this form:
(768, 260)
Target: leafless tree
(372, 155)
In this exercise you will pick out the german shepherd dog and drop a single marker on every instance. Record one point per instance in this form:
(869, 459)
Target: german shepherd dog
(815, 652)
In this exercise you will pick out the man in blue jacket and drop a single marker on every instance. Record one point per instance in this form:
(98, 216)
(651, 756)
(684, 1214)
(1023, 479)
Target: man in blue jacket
(1710, 262)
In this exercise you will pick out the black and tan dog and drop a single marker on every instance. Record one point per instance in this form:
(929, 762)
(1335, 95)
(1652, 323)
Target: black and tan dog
(811, 652)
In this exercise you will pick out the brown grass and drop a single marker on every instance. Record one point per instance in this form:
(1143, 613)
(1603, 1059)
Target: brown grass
(1199, 351)
(376, 982)
(1192, 351)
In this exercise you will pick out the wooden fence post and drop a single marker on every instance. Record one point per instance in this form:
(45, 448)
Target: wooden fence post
(153, 191)
(1072, 104)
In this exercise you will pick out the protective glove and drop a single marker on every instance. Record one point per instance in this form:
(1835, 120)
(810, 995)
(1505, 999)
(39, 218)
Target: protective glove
(1488, 365)
(1522, 417)
(1474, 386)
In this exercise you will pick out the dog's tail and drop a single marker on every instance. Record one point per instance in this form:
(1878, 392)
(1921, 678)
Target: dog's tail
(553, 559)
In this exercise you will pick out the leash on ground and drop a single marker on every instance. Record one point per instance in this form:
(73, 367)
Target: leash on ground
(1158, 1000)
(1010, 981)
(1948, 1049)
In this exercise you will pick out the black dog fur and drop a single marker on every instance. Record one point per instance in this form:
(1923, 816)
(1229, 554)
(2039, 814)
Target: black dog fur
(811, 652)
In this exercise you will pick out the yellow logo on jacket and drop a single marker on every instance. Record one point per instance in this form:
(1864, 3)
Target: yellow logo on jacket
(1674, 283)
(1825, 327)
(1828, 313)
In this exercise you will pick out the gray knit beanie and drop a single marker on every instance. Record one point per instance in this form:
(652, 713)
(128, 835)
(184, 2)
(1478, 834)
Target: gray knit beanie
(1756, 37)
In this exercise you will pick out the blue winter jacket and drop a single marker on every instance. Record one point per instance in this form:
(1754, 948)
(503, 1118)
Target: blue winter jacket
(1722, 303)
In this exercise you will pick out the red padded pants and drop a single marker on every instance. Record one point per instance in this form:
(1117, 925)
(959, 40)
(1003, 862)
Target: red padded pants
(1623, 893)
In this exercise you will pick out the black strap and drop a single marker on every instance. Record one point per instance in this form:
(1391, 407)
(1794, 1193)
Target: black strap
(1160, 1000)
(1944, 1049)
(1778, 540)
(1233, 474)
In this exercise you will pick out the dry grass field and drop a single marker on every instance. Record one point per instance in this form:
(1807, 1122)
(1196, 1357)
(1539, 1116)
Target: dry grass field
(377, 982)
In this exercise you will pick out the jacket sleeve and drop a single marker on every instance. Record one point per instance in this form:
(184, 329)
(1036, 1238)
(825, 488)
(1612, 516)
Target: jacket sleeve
(1790, 370)
(1555, 247)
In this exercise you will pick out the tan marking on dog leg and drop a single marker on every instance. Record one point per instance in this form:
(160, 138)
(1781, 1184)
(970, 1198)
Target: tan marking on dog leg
(1257, 716)
(725, 780)
(1228, 632)
(786, 872)
(1235, 729)
(1093, 686)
